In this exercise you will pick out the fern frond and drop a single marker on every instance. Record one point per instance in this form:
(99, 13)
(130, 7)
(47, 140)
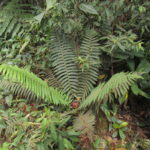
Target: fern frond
(33, 83)
(90, 52)
(87, 80)
(118, 85)
(63, 61)
(84, 123)
(49, 77)
(16, 9)
(18, 90)
(11, 28)
(13, 16)
(90, 47)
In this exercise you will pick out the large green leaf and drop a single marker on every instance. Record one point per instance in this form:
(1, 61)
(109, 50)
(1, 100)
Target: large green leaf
(88, 9)
(50, 4)
(40, 17)
(137, 91)
(144, 66)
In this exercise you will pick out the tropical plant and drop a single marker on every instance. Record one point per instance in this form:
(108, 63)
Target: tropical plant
(116, 87)
(31, 129)
(77, 81)
(14, 16)
(93, 51)
(89, 62)
(63, 61)
(30, 83)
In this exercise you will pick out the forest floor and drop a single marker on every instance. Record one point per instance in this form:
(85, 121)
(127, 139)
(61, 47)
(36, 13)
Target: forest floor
(138, 117)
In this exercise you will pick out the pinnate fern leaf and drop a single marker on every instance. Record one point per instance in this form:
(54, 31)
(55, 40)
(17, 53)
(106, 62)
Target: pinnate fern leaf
(63, 62)
(117, 86)
(13, 16)
(30, 81)
(49, 77)
(90, 52)
(18, 90)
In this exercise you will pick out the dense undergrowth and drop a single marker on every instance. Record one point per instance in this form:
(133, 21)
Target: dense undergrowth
(74, 75)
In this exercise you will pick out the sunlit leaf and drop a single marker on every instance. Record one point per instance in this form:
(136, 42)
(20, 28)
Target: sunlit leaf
(50, 4)
(88, 9)
(40, 17)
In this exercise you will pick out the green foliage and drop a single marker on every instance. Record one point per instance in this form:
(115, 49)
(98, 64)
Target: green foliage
(12, 16)
(76, 81)
(29, 81)
(63, 61)
(49, 77)
(123, 45)
(88, 9)
(139, 142)
(89, 62)
(25, 128)
(4, 146)
(95, 40)
(119, 127)
(117, 86)
(18, 89)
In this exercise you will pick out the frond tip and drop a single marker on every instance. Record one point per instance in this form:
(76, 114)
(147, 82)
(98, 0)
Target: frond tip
(30, 81)
(117, 86)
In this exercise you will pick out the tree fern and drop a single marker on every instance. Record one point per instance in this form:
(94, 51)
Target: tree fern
(118, 85)
(90, 52)
(63, 62)
(33, 83)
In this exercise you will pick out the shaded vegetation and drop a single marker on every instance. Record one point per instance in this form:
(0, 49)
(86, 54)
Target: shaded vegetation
(74, 74)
